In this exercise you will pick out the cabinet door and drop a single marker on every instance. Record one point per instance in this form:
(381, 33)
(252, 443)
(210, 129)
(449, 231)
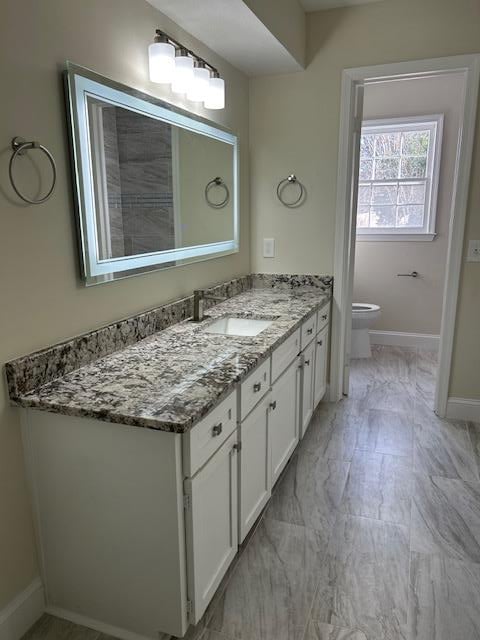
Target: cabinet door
(283, 418)
(307, 386)
(320, 382)
(211, 525)
(254, 462)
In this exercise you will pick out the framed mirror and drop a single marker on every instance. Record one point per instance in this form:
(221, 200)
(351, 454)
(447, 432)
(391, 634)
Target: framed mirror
(156, 186)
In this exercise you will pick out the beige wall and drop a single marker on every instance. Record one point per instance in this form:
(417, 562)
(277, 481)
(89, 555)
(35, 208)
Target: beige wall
(294, 125)
(407, 304)
(286, 20)
(41, 298)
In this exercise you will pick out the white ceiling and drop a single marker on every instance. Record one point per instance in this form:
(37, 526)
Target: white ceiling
(236, 33)
(318, 5)
(233, 31)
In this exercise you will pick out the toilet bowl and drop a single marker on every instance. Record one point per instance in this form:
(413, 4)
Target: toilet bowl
(363, 316)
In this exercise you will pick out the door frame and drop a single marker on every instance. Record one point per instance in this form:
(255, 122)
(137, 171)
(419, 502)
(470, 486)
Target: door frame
(344, 226)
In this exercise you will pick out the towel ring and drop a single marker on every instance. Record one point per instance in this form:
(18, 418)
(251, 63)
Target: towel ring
(19, 147)
(292, 179)
(218, 182)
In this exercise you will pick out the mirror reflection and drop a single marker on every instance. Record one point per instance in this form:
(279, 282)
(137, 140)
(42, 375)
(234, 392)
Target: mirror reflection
(150, 184)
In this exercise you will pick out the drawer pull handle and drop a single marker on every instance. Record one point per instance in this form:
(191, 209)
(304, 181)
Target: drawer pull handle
(307, 362)
(257, 386)
(273, 405)
(217, 429)
(324, 317)
(310, 331)
(320, 342)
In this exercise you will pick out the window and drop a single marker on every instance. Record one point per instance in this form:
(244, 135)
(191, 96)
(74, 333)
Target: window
(398, 179)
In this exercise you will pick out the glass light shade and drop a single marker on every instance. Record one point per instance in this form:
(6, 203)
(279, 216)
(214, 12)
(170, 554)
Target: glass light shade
(216, 94)
(198, 90)
(183, 77)
(161, 62)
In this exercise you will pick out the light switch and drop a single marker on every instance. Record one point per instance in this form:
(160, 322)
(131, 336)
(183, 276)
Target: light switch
(268, 247)
(473, 254)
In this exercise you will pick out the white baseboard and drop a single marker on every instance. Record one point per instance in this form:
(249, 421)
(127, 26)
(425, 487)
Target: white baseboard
(401, 339)
(463, 409)
(103, 627)
(22, 612)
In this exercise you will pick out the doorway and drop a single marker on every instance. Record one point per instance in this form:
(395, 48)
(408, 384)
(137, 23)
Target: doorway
(354, 82)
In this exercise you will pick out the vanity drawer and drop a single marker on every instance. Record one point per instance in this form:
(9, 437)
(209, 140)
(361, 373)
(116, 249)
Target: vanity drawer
(254, 388)
(323, 317)
(285, 354)
(201, 442)
(309, 330)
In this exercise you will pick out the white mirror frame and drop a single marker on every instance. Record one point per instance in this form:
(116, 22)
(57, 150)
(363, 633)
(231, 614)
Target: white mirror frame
(82, 84)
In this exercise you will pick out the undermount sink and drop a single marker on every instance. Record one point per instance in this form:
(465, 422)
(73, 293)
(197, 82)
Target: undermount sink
(232, 326)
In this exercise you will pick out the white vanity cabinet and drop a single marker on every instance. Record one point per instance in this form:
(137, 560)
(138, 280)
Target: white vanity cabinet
(136, 526)
(269, 433)
(285, 354)
(320, 377)
(314, 335)
(308, 368)
(110, 522)
(254, 387)
(308, 331)
(201, 442)
(283, 419)
(255, 466)
(210, 462)
(211, 522)
(321, 355)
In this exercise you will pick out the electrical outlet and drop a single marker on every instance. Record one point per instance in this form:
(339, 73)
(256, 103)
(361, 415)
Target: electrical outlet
(473, 254)
(268, 247)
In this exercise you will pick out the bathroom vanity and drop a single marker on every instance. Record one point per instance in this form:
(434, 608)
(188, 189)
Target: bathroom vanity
(150, 465)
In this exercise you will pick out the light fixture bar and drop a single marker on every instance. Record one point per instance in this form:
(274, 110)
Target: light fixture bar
(189, 74)
(166, 38)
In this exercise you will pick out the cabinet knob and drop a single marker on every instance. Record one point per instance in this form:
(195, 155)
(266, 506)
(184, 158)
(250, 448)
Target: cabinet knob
(237, 446)
(310, 331)
(273, 405)
(324, 317)
(257, 386)
(307, 362)
(217, 429)
(320, 342)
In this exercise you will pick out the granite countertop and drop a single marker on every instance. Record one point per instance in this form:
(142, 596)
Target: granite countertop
(173, 378)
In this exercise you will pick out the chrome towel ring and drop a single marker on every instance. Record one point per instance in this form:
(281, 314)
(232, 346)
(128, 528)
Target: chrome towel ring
(19, 147)
(217, 182)
(292, 179)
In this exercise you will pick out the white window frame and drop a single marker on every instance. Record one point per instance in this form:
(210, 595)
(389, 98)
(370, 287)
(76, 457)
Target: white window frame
(411, 123)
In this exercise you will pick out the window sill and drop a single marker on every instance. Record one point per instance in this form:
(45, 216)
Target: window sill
(396, 237)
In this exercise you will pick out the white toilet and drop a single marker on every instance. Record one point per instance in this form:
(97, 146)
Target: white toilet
(363, 316)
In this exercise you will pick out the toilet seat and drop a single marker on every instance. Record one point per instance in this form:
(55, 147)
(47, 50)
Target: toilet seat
(364, 307)
(364, 312)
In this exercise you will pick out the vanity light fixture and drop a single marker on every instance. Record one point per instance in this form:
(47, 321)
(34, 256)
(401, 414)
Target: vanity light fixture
(161, 59)
(183, 77)
(216, 92)
(199, 86)
(170, 62)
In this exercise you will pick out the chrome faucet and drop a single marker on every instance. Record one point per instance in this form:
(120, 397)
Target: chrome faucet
(199, 297)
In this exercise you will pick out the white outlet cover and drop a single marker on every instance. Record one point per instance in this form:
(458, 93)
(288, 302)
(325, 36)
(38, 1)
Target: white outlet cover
(269, 247)
(473, 254)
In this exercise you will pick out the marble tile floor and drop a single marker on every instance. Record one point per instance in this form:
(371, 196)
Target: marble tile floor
(373, 530)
